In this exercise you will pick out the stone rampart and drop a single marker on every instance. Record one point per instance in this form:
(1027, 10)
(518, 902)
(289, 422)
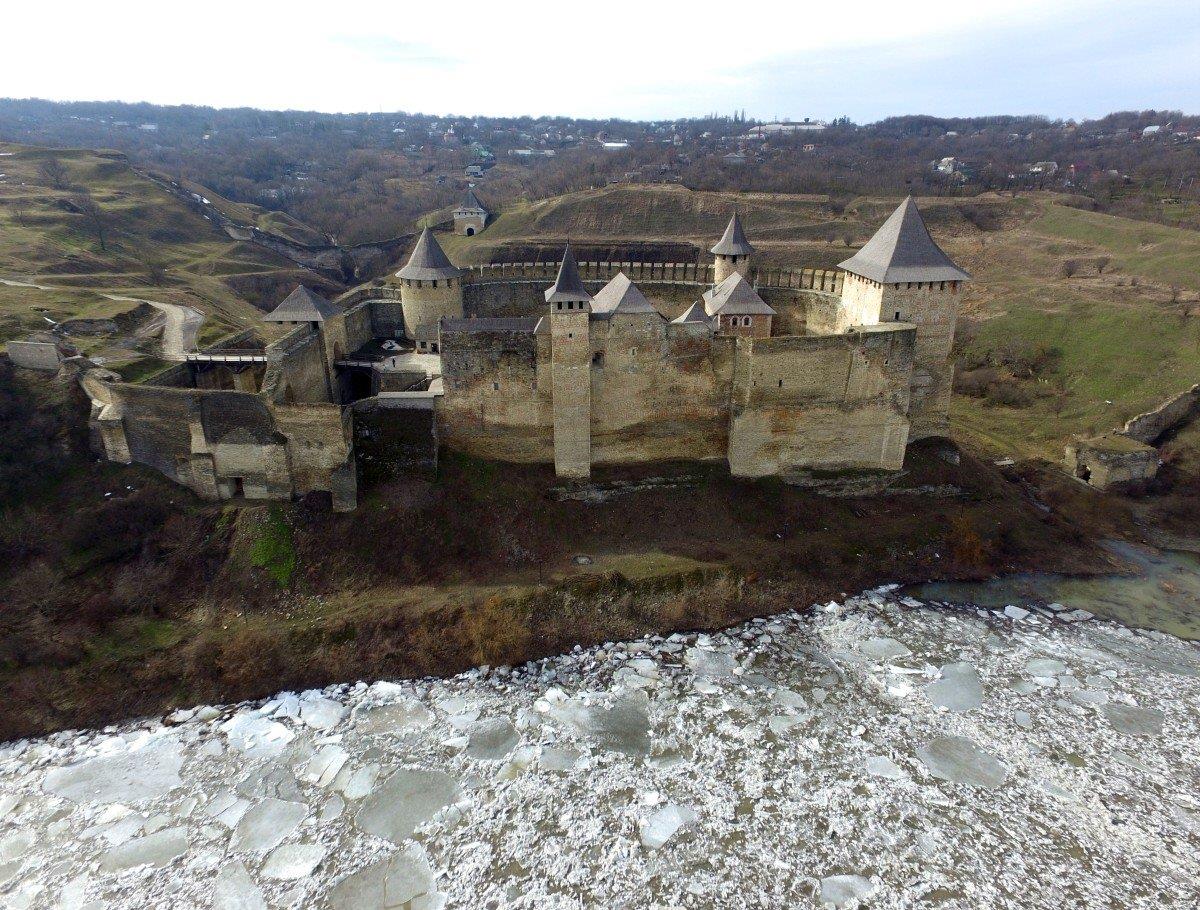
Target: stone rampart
(1151, 426)
(35, 355)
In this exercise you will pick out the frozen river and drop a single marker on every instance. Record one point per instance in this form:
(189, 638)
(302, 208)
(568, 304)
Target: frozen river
(879, 751)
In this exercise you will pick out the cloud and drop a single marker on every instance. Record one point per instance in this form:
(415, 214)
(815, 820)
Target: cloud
(624, 58)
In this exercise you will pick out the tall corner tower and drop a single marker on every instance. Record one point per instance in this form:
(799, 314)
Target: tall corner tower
(571, 370)
(902, 275)
(430, 286)
(732, 252)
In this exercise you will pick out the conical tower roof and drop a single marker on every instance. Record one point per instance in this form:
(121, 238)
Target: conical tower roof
(620, 296)
(694, 314)
(471, 203)
(733, 242)
(902, 251)
(568, 286)
(428, 261)
(302, 305)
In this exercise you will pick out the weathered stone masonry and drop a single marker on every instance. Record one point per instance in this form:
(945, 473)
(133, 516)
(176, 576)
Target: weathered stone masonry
(773, 371)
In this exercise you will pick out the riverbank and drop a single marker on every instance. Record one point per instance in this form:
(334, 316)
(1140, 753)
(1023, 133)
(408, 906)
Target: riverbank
(813, 758)
(124, 596)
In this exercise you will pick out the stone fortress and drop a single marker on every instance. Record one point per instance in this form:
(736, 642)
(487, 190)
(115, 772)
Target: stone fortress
(575, 364)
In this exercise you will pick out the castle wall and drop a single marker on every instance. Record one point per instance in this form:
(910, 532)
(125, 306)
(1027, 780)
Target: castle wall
(348, 331)
(297, 369)
(394, 438)
(659, 392)
(860, 303)
(474, 221)
(496, 401)
(214, 441)
(821, 402)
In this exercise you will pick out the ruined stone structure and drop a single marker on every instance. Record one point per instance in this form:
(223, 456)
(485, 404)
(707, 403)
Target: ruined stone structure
(772, 371)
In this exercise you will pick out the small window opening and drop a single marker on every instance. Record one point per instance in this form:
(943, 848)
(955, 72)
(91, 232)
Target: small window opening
(897, 315)
(495, 387)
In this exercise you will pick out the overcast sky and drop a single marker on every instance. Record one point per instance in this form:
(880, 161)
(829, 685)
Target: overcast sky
(865, 59)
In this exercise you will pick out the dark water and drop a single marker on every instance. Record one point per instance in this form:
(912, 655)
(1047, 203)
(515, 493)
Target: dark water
(1164, 595)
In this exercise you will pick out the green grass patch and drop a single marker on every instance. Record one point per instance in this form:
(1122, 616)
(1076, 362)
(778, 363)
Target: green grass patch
(275, 548)
(1160, 252)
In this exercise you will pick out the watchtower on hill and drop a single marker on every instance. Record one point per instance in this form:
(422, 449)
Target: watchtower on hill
(471, 216)
(902, 275)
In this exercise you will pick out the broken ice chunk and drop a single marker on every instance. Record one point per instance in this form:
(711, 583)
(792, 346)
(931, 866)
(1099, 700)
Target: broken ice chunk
(389, 884)
(958, 690)
(883, 649)
(127, 777)
(399, 717)
(1045, 666)
(845, 890)
(234, 889)
(155, 849)
(258, 737)
(709, 663)
(1134, 721)
(665, 824)
(325, 765)
(292, 861)
(491, 738)
(882, 766)
(267, 824)
(960, 760)
(622, 727)
(321, 713)
(558, 758)
(405, 801)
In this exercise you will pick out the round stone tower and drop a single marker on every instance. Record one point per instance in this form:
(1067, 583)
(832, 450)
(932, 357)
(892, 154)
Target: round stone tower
(732, 252)
(430, 286)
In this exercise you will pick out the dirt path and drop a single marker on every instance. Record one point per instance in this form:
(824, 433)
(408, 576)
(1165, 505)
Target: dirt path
(180, 330)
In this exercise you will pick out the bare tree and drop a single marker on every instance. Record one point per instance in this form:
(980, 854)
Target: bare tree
(94, 216)
(20, 209)
(156, 272)
(54, 172)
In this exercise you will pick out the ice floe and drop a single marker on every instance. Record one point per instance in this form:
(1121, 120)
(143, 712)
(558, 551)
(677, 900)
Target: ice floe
(876, 753)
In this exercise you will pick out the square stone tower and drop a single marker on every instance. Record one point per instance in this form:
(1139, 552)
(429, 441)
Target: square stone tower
(470, 217)
(571, 370)
(901, 275)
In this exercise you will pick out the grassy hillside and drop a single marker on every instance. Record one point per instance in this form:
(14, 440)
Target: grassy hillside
(788, 229)
(140, 243)
(1075, 321)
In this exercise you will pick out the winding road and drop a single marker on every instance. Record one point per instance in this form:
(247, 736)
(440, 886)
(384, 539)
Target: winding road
(181, 328)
